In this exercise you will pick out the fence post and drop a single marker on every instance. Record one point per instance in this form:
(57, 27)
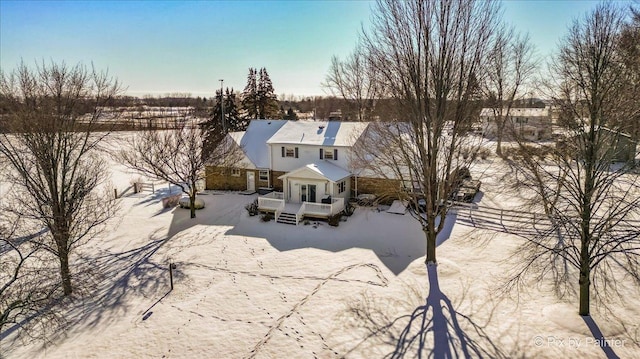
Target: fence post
(172, 266)
(501, 214)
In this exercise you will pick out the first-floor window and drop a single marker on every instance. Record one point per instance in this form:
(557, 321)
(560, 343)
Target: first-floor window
(235, 172)
(264, 176)
(342, 186)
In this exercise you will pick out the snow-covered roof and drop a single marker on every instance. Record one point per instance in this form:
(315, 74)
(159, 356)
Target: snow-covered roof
(520, 112)
(237, 136)
(254, 140)
(324, 169)
(323, 133)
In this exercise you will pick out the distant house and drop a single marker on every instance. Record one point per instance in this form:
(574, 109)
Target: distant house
(530, 123)
(303, 164)
(622, 147)
(616, 146)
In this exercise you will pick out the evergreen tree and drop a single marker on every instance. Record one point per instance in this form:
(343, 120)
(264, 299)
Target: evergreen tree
(250, 96)
(267, 100)
(233, 120)
(291, 115)
(258, 97)
(213, 130)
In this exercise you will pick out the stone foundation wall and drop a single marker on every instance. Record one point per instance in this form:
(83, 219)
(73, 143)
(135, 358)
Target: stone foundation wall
(221, 179)
(385, 189)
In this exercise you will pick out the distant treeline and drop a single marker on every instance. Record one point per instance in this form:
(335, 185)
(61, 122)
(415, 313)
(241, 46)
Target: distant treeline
(138, 113)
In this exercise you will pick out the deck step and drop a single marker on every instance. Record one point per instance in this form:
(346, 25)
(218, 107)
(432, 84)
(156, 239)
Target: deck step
(287, 218)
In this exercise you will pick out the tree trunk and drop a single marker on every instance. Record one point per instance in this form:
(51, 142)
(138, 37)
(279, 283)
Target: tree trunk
(584, 290)
(192, 205)
(500, 132)
(63, 255)
(431, 246)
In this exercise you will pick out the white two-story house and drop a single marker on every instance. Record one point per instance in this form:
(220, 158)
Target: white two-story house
(305, 165)
(530, 123)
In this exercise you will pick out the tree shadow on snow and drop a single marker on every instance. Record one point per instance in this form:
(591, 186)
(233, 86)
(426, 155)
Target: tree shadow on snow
(434, 329)
(599, 338)
(141, 269)
(378, 232)
(106, 282)
(148, 199)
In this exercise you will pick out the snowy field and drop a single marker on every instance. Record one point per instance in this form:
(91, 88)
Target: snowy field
(248, 289)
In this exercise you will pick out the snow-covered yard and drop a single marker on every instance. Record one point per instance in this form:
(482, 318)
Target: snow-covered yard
(245, 288)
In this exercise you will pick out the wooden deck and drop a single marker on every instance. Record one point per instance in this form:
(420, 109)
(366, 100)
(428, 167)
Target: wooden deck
(273, 202)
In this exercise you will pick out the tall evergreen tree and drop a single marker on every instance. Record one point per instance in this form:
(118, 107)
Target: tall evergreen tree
(258, 97)
(267, 100)
(250, 96)
(214, 128)
(233, 121)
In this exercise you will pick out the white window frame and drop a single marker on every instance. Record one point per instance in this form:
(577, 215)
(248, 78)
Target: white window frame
(235, 172)
(266, 175)
(290, 154)
(328, 154)
(342, 186)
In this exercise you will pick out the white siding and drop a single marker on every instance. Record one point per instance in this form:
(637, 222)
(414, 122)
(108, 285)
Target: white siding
(297, 183)
(306, 154)
(347, 189)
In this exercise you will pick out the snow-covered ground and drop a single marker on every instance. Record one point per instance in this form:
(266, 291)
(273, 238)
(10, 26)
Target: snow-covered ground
(244, 288)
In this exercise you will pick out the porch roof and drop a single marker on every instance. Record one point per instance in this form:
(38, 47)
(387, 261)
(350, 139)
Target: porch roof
(322, 169)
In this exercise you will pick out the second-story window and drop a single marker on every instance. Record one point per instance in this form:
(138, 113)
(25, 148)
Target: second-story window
(289, 152)
(328, 154)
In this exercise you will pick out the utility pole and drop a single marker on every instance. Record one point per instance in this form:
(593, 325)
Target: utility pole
(224, 126)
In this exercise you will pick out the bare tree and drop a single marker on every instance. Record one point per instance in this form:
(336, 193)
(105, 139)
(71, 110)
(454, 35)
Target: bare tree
(27, 283)
(429, 55)
(592, 206)
(511, 65)
(178, 157)
(630, 56)
(52, 152)
(353, 79)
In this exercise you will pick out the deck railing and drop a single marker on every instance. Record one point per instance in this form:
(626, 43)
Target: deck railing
(324, 209)
(300, 213)
(275, 195)
(274, 202)
(271, 202)
(337, 205)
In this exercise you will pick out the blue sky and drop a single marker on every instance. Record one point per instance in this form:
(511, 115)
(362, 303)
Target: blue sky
(158, 47)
